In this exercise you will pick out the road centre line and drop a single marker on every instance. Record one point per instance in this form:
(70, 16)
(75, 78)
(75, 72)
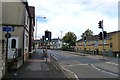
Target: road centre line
(76, 65)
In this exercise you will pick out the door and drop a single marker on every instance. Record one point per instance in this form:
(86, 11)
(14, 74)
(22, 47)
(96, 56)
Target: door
(12, 46)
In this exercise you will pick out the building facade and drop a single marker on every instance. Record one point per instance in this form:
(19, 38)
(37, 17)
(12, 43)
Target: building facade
(14, 48)
(31, 29)
(56, 43)
(95, 45)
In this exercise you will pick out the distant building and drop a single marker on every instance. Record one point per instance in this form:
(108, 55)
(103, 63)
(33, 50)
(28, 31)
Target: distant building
(38, 43)
(56, 43)
(94, 44)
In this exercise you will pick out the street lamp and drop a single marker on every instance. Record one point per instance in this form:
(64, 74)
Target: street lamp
(36, 25)
(36, 30)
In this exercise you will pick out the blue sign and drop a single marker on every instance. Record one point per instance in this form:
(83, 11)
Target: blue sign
(7, 29)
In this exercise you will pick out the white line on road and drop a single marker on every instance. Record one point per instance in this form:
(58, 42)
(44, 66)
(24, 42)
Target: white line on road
(103, 70)
(70, 72)
(109, 73)
(112, 63)
(76, 64)
(56, 67)
(95, 67)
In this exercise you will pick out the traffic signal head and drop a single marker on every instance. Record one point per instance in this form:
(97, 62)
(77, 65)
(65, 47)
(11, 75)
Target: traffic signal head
(100, 24)
(84, 38)
(43, 38)
(46, 34)
(100, 35)
(105, 34)
(50, 36)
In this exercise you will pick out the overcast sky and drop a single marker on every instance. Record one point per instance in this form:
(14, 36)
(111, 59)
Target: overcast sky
(75, 16)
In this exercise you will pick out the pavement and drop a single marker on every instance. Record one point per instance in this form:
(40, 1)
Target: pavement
(36, 68)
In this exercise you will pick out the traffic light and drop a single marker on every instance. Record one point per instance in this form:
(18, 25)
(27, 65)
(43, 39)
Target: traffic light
(100, 35)
(100, 24)
(46, 34)
(49, 36)
(84, 38)
(105, 34)
(43, 38)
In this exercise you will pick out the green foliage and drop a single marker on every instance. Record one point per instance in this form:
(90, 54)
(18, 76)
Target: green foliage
(88, 33)
(70, 39)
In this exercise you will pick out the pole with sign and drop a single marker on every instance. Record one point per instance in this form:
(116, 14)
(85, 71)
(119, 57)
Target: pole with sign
(7, 35)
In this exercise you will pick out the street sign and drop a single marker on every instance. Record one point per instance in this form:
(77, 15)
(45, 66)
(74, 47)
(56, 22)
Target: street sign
(8, 28)
(7, 35)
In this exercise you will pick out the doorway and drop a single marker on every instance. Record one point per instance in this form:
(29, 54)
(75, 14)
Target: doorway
(12, 46)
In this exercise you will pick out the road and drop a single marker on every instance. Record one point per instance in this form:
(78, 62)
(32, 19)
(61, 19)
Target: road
(84, 67)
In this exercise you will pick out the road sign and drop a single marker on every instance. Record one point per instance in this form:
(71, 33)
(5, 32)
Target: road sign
(7, 35)
(8, 28)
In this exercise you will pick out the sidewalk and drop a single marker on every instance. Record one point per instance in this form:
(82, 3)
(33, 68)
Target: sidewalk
(36, 68)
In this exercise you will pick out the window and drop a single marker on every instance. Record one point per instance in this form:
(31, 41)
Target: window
(13, 43)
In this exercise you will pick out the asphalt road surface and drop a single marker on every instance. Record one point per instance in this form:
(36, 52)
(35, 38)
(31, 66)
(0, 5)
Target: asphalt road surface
(82, 66)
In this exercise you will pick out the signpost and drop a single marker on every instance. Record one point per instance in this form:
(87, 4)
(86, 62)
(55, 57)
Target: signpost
(7, 35)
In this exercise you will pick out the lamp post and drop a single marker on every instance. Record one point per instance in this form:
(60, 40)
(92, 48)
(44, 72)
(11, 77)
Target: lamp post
(36, 25)
(36, 29)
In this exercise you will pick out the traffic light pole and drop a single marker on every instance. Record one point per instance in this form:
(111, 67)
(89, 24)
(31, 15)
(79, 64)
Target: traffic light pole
(84, 44)
(46, 52)
(103, 52)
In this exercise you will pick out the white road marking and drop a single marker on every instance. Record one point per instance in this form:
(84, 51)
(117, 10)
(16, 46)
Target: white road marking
(112, 63)
(103, 70)
(70, 72)
(95, 67)
(76, 64)
(56, 67)
(109, 73)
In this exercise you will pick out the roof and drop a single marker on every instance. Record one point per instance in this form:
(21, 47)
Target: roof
(56, 39)
(96, 37)
(38, 41)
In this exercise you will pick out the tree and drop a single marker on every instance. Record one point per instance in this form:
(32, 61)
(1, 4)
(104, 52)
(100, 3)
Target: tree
(88, 33)
(70, 38)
